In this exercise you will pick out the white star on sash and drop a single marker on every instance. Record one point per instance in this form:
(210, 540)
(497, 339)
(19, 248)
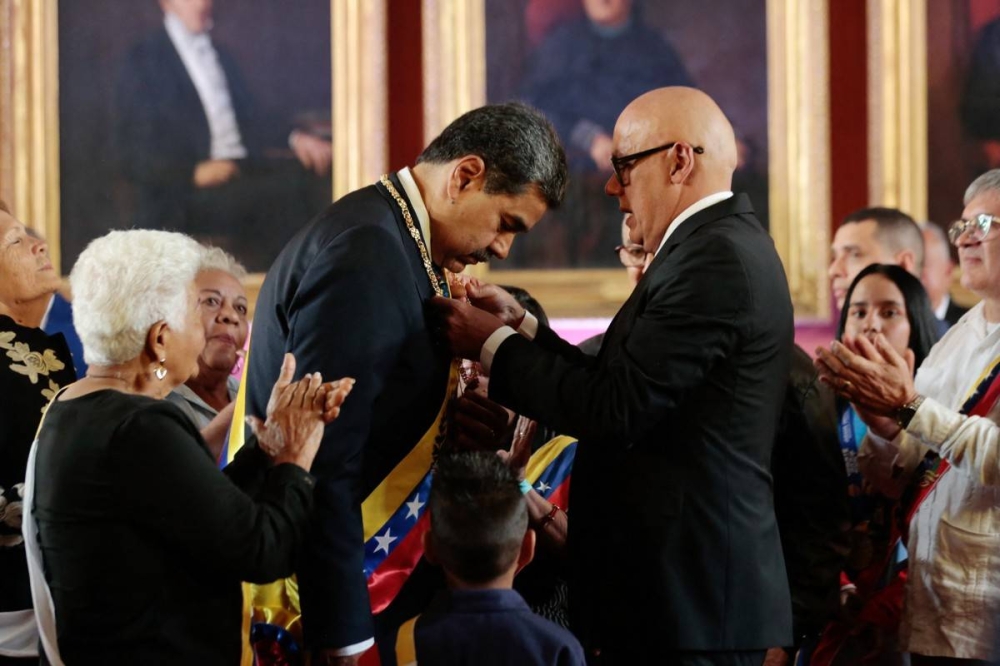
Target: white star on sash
(384, 541)
(542, 487)
(414, 506)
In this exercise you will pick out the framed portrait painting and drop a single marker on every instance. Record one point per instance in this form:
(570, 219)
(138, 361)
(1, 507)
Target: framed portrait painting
(120, 115)
(582, 61)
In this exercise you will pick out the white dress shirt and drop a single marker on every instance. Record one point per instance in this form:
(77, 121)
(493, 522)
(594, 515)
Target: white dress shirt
(202, 64)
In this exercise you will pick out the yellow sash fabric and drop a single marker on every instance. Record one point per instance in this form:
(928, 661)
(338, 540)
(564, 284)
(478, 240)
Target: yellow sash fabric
(406, 643)
(277, 603)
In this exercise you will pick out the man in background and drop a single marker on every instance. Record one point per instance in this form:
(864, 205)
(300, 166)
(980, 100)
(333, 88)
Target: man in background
(873, 236)
(937, 275)
(197, 148)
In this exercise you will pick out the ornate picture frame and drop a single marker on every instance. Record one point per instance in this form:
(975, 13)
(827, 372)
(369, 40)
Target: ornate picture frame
(798, 143)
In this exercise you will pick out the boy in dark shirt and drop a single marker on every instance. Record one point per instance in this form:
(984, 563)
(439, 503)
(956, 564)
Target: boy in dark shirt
(479, 536)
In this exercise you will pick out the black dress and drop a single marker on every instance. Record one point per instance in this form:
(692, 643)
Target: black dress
(33, 366)
(144, 542)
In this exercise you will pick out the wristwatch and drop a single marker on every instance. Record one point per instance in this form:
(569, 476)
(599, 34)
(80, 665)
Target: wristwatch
(905, 413)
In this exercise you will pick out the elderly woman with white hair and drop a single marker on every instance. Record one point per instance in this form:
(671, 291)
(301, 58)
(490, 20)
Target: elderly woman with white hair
(208, 397)
(142, 540)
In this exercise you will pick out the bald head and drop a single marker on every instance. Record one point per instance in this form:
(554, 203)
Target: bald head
(701, 161)
(682, 114)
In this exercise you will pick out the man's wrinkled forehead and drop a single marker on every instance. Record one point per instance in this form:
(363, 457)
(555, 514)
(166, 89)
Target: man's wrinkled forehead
(633, 132)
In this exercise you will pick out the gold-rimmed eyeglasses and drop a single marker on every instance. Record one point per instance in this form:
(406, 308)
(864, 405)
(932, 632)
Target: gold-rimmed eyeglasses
(977, 227)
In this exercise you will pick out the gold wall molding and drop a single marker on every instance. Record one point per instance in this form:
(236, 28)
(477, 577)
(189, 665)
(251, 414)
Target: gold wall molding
(454, 60)
(29, 114)
(897, 104)
(798, 146)
(360, 93)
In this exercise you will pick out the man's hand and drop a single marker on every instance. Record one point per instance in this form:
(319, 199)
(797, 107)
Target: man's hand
(494, 300)
(212, 173)
(314, 153)
(464, 327)
(478, 423)
(872, 376)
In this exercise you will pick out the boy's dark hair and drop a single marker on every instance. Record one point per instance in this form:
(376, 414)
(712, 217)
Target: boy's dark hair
(478, 515)
(518, 145)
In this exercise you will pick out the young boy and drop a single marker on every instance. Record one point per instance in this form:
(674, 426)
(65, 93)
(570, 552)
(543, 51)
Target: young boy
(479, 536)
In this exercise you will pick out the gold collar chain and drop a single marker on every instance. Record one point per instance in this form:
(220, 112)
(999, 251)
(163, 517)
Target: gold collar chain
(437, 283)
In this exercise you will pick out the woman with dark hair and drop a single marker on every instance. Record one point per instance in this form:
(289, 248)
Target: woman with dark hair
(921, 323)
(888, 300)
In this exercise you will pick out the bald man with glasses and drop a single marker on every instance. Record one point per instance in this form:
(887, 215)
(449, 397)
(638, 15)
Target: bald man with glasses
(674, 551)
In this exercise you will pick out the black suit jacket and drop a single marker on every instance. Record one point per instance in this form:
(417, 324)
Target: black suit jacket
(673, 541)
(161, 130)
(346, 296)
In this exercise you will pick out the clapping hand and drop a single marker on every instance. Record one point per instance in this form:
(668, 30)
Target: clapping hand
(297, 413)
(872, 376)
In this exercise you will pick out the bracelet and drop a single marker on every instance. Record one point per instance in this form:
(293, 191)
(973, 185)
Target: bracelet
(525, 486)
(550, 516)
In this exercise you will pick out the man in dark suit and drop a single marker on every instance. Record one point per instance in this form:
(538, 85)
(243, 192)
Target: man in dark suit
(347, 297)
(191, 140)
(674, 550)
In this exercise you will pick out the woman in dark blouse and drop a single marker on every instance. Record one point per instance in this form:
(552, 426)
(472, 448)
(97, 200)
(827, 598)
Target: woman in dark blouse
(33, 366)
(143, 541)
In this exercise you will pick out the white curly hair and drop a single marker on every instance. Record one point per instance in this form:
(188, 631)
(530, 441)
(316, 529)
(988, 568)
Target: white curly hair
(126, 281)
(217, 259)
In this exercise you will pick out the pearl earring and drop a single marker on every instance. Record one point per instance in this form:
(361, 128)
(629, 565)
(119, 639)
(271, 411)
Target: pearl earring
(161, 371)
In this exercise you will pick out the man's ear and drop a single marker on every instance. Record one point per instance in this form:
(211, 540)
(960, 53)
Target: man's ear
(527, 549)
(907, 260)
(467, 172)
(683, 163)
(428, 541)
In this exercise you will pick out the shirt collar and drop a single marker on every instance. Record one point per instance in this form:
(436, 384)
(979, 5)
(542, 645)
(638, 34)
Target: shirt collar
(942, 309)
(180, 35)
(413, 194)
(696, 207)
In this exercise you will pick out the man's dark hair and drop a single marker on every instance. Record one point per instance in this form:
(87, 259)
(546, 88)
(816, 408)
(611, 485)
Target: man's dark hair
(896, 231)
(518, 145)
(528, 302)
(924, 326)
(478, 515)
